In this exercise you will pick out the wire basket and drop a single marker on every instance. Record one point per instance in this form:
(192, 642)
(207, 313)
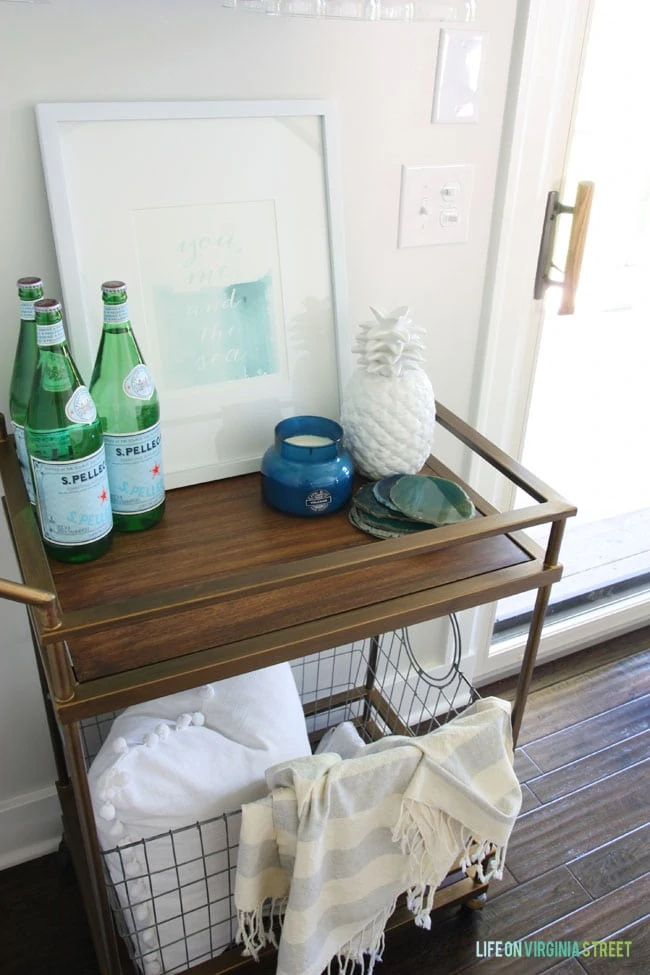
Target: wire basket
(188, 874)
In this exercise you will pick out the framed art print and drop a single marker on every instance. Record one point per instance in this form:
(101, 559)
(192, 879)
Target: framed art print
(223, 219)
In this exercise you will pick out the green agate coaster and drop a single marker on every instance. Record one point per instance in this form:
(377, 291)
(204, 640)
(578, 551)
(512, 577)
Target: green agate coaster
(354, 519)
(433, 500)
(381, 490)
(405, 503)
(382, 527)
(366, 501)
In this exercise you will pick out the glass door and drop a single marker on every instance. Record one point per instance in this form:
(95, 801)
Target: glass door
(589, 407)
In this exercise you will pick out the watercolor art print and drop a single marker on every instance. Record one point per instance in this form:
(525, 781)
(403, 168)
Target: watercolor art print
(218, 313)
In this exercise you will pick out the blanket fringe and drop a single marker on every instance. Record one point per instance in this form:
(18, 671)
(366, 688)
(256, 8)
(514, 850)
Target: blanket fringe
(255, 929)
(428, 861)
(364, 950)
(480, 856)
(426, 871)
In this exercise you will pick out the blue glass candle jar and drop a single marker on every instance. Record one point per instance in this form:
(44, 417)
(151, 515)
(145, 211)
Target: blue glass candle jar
(307, 471)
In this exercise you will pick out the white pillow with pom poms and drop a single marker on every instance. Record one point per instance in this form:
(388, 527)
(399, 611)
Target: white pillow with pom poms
(169, 764)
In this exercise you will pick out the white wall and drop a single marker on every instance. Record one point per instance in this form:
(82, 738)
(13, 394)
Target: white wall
(381, 75)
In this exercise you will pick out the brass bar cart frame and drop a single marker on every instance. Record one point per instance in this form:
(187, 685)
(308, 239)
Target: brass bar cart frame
(275, 589)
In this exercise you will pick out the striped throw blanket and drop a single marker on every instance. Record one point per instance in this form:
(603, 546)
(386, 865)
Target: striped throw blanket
(326, 854)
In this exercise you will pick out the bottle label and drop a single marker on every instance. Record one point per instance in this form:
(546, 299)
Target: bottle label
(56, 378)
(23, 460)
(81, 408)
(73, 499)
(116, 314)
(135, 470)
(27, 313)
(50, 334)
(139, 383)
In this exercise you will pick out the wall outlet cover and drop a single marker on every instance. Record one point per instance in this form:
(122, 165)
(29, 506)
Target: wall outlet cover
(458, 75)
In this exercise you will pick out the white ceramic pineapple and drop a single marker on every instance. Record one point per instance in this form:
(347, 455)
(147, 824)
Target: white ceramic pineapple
(388, 412)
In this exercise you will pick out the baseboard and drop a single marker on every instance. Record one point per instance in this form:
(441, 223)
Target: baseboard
(30, 827)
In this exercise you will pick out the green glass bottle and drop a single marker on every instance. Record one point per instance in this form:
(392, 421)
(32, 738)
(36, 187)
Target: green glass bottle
(29, 291)
(66, 449)
(127, 404)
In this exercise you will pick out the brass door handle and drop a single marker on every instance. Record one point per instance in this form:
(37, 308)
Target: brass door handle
(577, 240)
(581, 212)
(41, 599)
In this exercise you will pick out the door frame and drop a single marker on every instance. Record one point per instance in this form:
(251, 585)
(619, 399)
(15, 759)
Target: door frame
(546, 63)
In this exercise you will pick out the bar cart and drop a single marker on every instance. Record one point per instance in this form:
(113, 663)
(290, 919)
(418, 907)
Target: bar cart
(225, 585)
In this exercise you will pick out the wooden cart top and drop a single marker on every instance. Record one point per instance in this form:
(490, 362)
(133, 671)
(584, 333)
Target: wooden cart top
(225, 584)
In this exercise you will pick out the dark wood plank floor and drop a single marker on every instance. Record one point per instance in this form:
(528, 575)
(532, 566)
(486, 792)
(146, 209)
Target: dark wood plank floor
(578, 866)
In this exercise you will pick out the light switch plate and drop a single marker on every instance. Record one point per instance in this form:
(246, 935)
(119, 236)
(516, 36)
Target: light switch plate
(434, 205)
(458, 75)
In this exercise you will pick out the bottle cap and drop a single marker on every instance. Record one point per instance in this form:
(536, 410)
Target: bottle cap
(113, 286)
(29, 282)
(47, 304)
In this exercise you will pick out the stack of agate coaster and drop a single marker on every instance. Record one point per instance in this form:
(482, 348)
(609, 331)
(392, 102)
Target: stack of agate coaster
(405, 503)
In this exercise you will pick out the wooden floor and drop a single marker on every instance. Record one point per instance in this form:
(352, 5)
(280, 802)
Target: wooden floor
(577, 867)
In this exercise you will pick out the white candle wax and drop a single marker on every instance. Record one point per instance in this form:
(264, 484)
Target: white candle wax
(309, 440)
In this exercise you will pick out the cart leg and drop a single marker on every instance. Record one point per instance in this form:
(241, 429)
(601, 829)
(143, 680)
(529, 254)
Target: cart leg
(64, 857)
(476, 903)
(91, 871)
(528, 663)
(535, 632)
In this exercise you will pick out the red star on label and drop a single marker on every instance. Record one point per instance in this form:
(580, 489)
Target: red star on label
(104, 495)
(155, 470)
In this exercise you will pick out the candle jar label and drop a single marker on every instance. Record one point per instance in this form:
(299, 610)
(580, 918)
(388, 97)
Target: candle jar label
(318, 500)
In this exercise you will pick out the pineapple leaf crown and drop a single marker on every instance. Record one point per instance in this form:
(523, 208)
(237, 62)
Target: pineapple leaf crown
(391, 344)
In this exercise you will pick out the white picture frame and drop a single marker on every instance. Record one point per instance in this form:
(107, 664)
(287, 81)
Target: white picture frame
(224, 220)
